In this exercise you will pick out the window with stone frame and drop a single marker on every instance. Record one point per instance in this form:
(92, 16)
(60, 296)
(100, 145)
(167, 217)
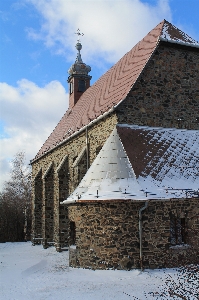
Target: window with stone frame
(177, 231)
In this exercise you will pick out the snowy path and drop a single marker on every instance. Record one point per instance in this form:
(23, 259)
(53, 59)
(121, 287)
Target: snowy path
(28, 272)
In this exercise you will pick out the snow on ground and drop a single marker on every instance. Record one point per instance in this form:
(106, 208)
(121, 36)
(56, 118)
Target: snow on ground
(31, 272)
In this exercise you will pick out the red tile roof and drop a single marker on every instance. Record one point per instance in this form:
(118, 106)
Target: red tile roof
(113, 86)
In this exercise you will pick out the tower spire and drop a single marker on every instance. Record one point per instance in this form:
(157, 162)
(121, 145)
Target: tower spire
(78, 46)
(78, 79)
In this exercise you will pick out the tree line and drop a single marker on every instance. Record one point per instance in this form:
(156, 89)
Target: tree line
(15, 203)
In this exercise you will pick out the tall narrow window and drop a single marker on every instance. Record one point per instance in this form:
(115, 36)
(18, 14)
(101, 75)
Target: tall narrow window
(72, 233)
(81, 86)
(71, 87)
(177, 231)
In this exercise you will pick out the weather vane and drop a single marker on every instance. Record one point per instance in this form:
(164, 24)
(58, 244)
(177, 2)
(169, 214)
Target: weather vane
(79, 33)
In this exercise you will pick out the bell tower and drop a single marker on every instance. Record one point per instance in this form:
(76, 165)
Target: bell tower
(78, 79)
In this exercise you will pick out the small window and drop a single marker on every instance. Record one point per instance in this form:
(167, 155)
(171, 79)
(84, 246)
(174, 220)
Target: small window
(81, 86)
(71, 87)
(177, 231)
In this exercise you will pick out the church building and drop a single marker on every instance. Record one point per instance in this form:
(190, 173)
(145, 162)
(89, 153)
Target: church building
(117, 181)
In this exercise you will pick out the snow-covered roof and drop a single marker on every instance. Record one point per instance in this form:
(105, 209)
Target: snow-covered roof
(140, 163)
(172, 33)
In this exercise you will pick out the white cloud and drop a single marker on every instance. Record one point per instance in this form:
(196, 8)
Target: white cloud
(111, 27)
(29, 114)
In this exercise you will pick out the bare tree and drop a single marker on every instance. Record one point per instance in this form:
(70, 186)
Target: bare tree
(15, 202)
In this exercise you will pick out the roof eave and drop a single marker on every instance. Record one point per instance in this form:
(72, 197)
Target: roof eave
(79, 201)
(178, 42)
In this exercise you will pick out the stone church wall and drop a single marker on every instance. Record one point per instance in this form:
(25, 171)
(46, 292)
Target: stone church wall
(65, 179)
(107, 234)
(167, 92)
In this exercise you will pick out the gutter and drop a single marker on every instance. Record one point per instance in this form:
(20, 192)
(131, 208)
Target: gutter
(140, 233)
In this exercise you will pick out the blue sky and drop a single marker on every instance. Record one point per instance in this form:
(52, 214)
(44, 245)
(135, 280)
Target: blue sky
(25, 57)
(38, 46)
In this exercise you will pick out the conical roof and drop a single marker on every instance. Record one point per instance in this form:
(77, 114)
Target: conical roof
(110, 176)
(113, 87)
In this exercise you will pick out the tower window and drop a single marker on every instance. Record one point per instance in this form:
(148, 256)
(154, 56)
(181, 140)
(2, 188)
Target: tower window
(81, 86)
(71, 87)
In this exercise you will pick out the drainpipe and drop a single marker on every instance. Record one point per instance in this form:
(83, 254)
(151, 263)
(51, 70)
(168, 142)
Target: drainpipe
(87, 147)
(140, 232)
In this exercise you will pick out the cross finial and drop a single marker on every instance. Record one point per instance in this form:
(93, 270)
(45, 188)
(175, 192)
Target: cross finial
(79, 33)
